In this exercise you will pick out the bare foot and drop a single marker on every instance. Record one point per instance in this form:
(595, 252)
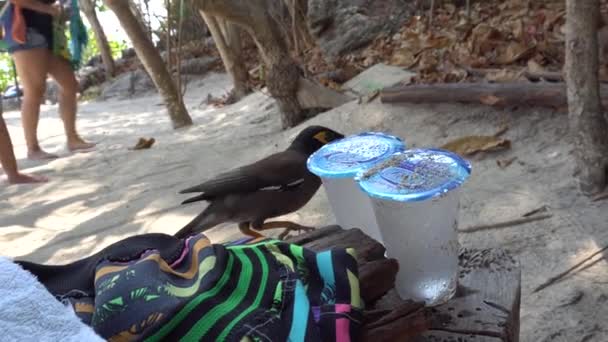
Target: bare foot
(41, 155)
(24, 178)
(80, 145)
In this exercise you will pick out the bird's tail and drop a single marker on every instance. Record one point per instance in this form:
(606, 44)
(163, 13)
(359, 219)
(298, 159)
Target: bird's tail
(202, 222)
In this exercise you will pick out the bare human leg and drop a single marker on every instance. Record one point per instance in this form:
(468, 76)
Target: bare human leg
(9, 164)
(32, 67)
(62, 73)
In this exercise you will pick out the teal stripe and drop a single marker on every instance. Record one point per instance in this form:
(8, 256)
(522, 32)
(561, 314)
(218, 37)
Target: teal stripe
(258, 298)
(326, 268)
(183, 314)
(263, 243)
(205, 323)
(300, 314)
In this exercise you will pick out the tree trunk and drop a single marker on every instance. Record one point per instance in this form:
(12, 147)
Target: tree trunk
(587, 123)
(283, 73)
(301, 36)
(139, 14)
(152, 61)
(88, 7)
(227, 39)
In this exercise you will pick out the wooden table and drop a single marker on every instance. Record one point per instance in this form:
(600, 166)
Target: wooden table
(485, 308)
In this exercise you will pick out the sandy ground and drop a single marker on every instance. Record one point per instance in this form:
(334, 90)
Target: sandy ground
(98, 198)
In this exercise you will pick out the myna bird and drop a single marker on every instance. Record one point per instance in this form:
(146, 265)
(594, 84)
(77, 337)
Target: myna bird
(249, 195)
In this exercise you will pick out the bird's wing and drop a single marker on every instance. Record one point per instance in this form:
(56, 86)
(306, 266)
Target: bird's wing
(280, 170)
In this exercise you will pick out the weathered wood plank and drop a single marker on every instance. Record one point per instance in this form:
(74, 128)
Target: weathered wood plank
(485, 308)
(402, 324)
(376, 278)
(367, 248)
(487, 302)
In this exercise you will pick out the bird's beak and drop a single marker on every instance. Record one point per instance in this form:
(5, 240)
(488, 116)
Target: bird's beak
(322, 137)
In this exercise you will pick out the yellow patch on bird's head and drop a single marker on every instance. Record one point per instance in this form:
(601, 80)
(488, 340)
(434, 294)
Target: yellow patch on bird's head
(322, 137)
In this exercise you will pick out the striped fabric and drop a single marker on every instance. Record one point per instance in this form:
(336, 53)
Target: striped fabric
(249, 290)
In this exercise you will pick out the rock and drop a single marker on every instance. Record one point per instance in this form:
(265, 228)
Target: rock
(339, 76)
(52, 92)
(378, 77)
(342, 26)
(128, 84)
(90, 94)
(94, 61)
(91, 76)
(128, 53)
(198, 66)
(9, 105)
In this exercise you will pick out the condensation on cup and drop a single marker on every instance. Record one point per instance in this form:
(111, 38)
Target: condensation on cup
(415, 197)
(339, 162)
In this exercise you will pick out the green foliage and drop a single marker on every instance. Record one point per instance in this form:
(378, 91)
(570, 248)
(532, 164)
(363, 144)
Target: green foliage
(92, 49)
(7, 74)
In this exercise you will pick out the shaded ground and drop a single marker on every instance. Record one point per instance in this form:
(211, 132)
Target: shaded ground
(98, 198)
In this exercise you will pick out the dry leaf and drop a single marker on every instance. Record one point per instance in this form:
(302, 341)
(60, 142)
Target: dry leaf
(490, 100)
(513, 52)
(603, 73)
(143, 144)
(471, 145)
(497, 33)
(600, 197)
(505, 75)
(403, 57)
(536, 211)
(502, 130)
(535, 68)
(504, 163)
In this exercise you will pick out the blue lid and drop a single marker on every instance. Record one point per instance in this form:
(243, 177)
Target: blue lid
(415, 175)
(351, 155)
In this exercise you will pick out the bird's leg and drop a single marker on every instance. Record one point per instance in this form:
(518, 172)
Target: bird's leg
(288, 225)
(245, 228)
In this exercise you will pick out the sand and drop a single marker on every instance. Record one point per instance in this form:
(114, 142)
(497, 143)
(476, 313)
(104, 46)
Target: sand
(97, 198)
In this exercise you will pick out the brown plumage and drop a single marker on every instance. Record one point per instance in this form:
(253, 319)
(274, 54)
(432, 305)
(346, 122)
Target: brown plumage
(249, 195)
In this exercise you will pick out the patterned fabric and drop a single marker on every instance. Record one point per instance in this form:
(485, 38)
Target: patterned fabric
(78, 34)
(250, 290)
(15, 32)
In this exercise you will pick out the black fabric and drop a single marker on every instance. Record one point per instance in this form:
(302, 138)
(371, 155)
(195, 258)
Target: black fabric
(41, 22)
(80, 275)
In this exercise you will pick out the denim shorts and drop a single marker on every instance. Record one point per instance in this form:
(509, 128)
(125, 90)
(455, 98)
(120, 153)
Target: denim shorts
(33, 40)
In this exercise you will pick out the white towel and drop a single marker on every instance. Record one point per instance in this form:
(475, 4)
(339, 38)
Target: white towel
(28, 312)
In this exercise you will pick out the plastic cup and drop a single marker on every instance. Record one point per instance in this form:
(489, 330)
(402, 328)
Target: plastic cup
(339, 162)
(415, 197)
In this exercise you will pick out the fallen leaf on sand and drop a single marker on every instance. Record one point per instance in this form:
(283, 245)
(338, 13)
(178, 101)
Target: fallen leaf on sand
(542, 209)
(600, 197)
(502, 130)
(473, 144)
(504, 163)
(535, 68)
(505, 75)
(143, 144)
(489, 100)
(513, 52)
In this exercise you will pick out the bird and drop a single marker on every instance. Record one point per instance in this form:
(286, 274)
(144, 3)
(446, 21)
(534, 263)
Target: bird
(249, 195)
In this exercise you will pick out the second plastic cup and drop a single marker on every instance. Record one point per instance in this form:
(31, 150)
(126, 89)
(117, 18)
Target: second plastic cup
(415, 196)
